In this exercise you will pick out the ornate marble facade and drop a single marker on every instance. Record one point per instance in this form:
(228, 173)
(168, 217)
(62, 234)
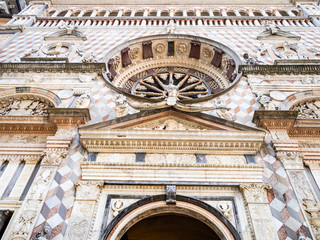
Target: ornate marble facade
(116, 112)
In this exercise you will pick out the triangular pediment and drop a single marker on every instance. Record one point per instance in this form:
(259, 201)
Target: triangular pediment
(170, 119)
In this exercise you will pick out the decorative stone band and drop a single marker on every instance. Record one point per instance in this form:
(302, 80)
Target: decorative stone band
(52, 67)
(32, 159)
(201, 173)
(304, 68)
(153, 141)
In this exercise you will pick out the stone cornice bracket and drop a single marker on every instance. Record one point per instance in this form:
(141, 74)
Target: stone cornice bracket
(69, 117)
(312, 164)
(88, 190)
(275, 119)
(53, 158)
(291, 160)
(255, 192)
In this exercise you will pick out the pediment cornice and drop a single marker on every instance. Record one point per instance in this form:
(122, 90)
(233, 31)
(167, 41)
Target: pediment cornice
(174, 141)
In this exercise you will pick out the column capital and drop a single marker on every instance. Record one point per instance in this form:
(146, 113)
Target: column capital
(88, 190)
(54, 158)
(291, 160)
(255, 192)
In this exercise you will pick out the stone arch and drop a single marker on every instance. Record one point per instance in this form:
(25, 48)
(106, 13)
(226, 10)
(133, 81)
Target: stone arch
(156, 205)
(27, 100)
(215, 64)
(298, 97)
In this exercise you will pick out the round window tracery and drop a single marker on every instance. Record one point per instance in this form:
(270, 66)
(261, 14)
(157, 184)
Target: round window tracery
(188, 69)
(184, 86)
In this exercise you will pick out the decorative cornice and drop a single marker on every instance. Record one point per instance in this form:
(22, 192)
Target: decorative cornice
(304, 132)
(25, 128)
(69, 116)
(52, 67)
(153, 141)
(275, 119)
(280, 69)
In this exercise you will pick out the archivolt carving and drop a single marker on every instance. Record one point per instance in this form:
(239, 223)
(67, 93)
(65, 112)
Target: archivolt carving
(216, 63)
(161, 61)
(308, 109)
(24, 105)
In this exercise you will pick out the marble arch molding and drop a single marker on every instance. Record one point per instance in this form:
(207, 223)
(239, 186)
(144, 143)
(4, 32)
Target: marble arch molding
(156, 205)
(148, 68)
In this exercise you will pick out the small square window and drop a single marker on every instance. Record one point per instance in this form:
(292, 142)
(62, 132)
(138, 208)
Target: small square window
(201, 158)
(140, 157)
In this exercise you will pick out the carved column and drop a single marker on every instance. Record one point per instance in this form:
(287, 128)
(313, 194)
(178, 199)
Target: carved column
(255, 195)
(30, 161)
(30, 209)
(14, 162)
(294, 165)
(88, 193)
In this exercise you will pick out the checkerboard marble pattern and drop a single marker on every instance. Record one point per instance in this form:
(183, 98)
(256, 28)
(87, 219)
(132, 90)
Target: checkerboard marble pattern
(100, 42)
(58, 204)
(289, 221)
(59, 200)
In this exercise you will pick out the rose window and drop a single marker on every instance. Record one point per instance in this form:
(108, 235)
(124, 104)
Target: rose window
(182, 86)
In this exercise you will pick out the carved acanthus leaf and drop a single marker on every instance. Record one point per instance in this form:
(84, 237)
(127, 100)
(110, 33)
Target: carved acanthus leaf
(54, 158)
(88, 189)
(291, 160)
(254, 192)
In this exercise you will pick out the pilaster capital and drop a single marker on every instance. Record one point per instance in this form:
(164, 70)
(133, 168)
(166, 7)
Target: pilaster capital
(312, 164)
(291, 160)
(255, 192)
(88, 190)
(54, 158)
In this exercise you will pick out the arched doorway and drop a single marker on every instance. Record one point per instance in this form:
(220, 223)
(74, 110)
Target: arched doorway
(170, 227)
(154, 218)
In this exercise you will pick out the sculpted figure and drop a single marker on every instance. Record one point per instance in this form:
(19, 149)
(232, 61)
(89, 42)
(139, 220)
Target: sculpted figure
(171, 27)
